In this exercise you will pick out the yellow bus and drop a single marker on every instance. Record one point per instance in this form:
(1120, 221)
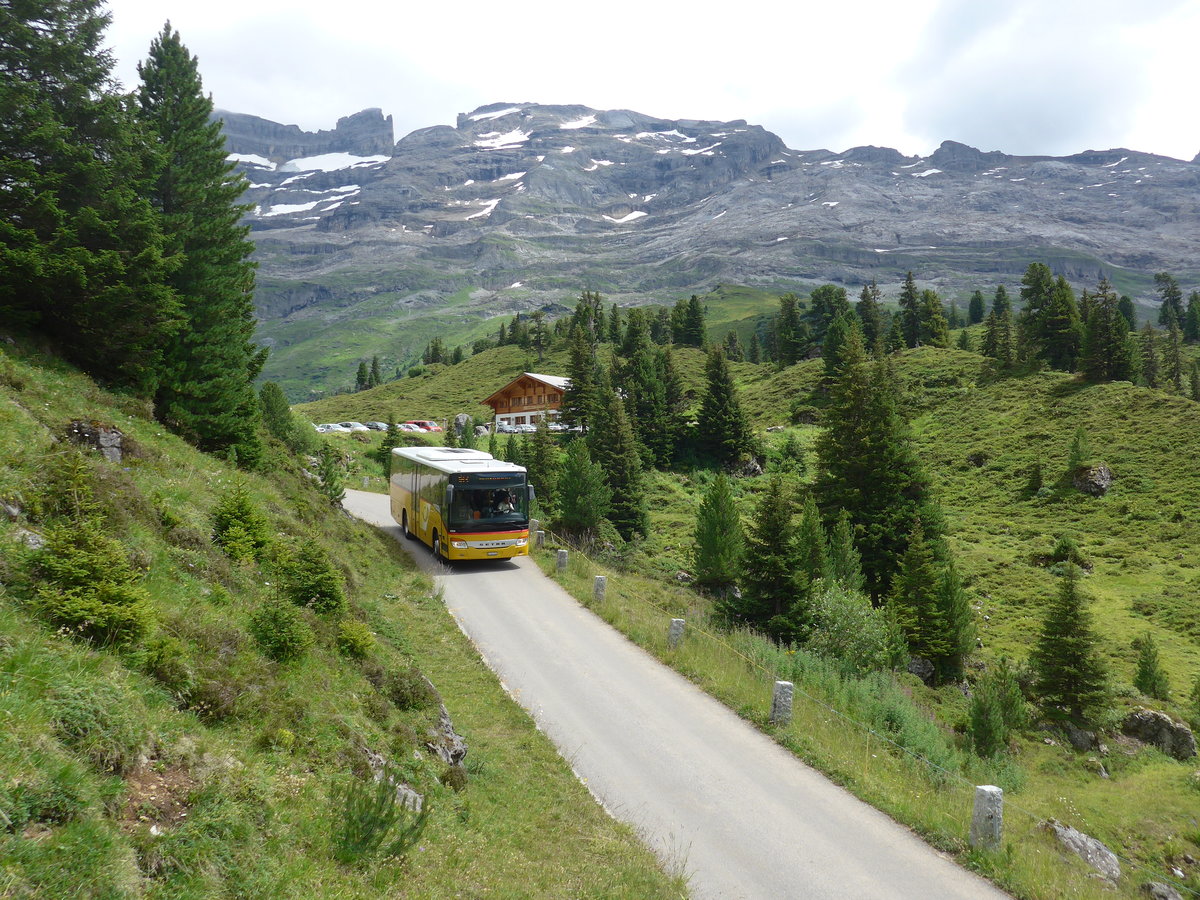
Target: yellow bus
(464, 504)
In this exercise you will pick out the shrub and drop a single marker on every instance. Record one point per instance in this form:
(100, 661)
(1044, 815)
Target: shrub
(99, 719)
(166, 660)
(997, 709)
(371, 820)
(407, 688)
(1150, 678)
(88, 587)
(1067, 550)
(455, 778)
(238, 527)
(280, 631)
(309, 580)
(355, 640)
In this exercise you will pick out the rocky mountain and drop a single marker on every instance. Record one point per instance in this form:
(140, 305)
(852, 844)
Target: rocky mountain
(522, 205)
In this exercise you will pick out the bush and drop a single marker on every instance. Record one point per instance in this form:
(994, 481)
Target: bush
(355, 640)
(1150, 678)
(99, 719)
(239, 528)
(1067, 550)
(407, 688)
(166, 660)
(308, 579)
(88, 587)
(280, 631)
(371, 820)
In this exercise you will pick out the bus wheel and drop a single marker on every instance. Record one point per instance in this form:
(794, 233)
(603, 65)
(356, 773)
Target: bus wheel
(437, 545)
(404, 525)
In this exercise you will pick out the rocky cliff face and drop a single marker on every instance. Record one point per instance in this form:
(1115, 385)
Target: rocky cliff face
(528, 204)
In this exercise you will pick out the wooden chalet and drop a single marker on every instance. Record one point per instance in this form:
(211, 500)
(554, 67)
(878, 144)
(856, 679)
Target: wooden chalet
(527, 398)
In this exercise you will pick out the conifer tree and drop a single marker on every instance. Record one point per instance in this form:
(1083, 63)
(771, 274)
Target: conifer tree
(792, 334)
(910, 312)
(1128, 311)
(870, 313)
(867, 465)
(954, 607)
(1172, 358)
(583, 495)
(1001, 302)
(845, 565)
(362, 379)
(1049, 323)
(331, 474)
(82, 255)
(687, 322)
(914, 599)
(544, 466)
(1148, 346)
(997, 709)
(1194, 379)
(614, 325)
(895, 339)
(753, 352)
(826, 303)
(1107, 352)
(964, 341)
(391, 440)
(835, 339)
(934, 330)
(1171, 296)
(976, 309)
(724, 432)
(647, 386)
(207, 391)
(376, 378)
(276, 413)
(582, 393)
(954, 318)
(812, 552)
(733, 348)
(769, 564)
(1150, 678)
(1070, 678)
(614, 449)
(637, 334)
(1191, 320)
(717, 555)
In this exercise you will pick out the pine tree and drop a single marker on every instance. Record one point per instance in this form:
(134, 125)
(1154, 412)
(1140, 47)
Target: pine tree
(964, 341)
(1001, 302)
(826, 303)
(867, 466)
(1150, 678)
(733, 348)
(1171, 310)
(1128, 312)
(363, 379)
(207, 391)
(997, 709)
(976, 309)
(1049, 323)
(954, 318)
(614, 449)
(376, 378)
(637, 334)
(792, 335)
(687, 322)
(391, 440)
(769, 564)
(754, 353)
(910, 312)
(717, 557)
(1148, 346)
(583, 495)
(544, 466)
(954, 609)
(1172, 358)
(835, 339)
(812, 553)
(1191, 320)
(331, 474)
(1070, 678)
(82, 255)
(1107, 352)
(614, 325)
(724, 432)
(646, 387)
(870, 312)
(845, 565)
(915, 601)
(276, 413)
(582, 393)
(934, 331)
(1194, 379)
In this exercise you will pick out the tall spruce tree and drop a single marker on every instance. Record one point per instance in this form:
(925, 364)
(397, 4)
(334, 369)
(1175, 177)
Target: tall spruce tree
(812, 551)
(1148, 348)
(1049, 325)
(583, 495)
(769, 565)
(792, 334)
(717, 557)
(1172, 358)
(976, 309)
(1070, 678)
(870, 312)
(1128, 311)
(207, 390)
(1171, 296)
(826, 303)
(845, 565)
(934, 328)
(82, 257)
(1191, 319)
(544, 466)
(867, 466)
(616, 452)
(724, 431)
(910, 312)
(1107, 352)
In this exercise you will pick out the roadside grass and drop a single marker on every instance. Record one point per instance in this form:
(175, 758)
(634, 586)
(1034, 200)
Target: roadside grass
(190, 764)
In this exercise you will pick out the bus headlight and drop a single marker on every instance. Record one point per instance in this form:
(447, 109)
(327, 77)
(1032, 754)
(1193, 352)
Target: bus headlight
(459, 545)
(521, 542)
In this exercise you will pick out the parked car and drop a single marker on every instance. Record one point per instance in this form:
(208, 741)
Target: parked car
(376, 426)
(425, 424)
(354, 426)
(505, 428)
(408, 426)
(556, 426)
(525, 429)
(333, 428)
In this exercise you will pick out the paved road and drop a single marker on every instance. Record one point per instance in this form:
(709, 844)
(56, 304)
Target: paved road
(713, 796)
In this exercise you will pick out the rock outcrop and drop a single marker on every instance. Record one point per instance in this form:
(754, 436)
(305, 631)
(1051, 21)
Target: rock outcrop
(1090, 850)
(1158, 729)
(365, 133)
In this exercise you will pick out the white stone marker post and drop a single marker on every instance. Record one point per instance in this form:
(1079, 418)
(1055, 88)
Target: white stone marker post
(599, 583)
(562, 560)
(987, 820)
(534, 525)
(781, 703)
(540, 543)
(675, 633)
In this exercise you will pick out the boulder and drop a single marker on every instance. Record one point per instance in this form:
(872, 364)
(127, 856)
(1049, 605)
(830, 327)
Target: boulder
(1173, 738)
(1080, 738)
(922, 668)
(108, 440)
(1156, 890)
(1093, 480)
(1090, 850)
(460, 423)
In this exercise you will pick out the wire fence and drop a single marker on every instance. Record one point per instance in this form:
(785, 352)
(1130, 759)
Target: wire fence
(616, 592)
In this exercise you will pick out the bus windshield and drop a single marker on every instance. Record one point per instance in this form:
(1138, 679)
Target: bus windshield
(495, 504)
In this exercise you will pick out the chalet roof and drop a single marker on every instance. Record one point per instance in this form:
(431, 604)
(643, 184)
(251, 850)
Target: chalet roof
(555, 381)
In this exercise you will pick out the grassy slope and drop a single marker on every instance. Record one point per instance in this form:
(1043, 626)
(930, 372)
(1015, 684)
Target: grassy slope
(1141, 540)
(228, 754)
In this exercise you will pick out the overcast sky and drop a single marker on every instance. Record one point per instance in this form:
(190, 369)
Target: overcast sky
(1022, 76)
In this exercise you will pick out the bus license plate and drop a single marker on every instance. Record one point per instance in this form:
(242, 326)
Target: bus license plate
(492, 553)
